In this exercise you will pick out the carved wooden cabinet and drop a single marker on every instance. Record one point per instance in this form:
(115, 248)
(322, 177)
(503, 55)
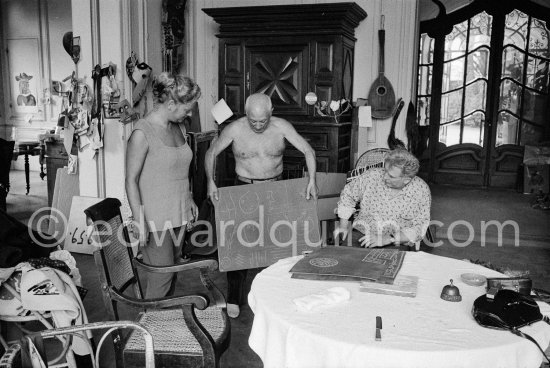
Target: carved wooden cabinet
(286, 51)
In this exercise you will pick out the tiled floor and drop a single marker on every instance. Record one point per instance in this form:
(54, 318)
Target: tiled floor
(449, 205)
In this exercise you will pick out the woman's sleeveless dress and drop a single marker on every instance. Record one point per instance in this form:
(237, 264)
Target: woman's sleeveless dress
(164, 182)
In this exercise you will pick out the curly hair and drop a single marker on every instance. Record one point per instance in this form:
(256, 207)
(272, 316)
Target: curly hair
(179, 88)
(404, 160)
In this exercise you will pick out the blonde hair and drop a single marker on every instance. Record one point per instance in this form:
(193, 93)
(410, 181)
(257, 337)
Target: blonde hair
(179, 88)
(404, 160)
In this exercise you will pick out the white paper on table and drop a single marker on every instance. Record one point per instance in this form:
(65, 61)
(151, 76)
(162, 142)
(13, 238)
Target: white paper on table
(365, 117)
(221, 111)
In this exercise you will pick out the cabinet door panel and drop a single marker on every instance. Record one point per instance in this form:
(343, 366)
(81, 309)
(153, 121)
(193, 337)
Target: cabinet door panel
(233, 96)
(233, 60)
(281, 72)
(232, 75)
(323, 57)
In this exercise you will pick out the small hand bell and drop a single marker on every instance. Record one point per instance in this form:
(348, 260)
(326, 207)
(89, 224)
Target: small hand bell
(451, 293)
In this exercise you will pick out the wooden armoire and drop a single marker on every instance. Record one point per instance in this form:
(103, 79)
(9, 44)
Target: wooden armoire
(287, 51)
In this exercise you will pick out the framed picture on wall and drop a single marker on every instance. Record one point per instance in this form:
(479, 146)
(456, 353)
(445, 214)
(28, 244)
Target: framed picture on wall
(24, 75)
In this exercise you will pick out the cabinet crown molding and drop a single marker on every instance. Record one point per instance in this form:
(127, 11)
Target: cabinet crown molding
(306, 19)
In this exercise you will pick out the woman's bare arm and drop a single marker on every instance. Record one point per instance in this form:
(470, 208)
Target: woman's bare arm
(136, 152)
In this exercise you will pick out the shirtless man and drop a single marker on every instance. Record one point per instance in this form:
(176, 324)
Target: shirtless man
(258, 141)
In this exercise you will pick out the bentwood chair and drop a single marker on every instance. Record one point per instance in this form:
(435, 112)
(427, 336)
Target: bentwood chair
(19, 354)
(188, 330)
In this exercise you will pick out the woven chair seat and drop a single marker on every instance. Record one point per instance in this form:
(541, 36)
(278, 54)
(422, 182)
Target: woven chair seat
(163, 323)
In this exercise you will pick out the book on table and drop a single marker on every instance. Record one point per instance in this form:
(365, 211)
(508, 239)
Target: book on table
(350, 264)
(403, 285)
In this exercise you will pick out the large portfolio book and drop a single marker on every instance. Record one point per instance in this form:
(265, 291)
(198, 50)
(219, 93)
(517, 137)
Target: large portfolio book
(350, 264)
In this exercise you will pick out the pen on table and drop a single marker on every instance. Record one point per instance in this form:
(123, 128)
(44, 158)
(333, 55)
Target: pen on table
(378, 336)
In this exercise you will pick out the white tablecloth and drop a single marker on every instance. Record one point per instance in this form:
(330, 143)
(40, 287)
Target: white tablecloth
(424, 331)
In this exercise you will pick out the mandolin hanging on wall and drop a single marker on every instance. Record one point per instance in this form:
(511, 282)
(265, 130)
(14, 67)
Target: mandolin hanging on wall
(381, 95)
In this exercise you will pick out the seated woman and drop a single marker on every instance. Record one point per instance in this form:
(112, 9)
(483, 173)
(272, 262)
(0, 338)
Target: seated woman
(394, 204)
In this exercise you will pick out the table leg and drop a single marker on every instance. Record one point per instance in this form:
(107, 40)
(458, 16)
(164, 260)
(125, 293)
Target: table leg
(27, 171)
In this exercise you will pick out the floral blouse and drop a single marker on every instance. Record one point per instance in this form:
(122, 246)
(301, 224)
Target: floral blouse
(382, 210)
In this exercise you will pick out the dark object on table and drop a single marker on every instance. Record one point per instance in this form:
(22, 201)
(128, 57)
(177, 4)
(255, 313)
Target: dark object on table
(6, 155)
(350, 264)
(451, 293)
(378, 335)
(521, 285)
(508, 310)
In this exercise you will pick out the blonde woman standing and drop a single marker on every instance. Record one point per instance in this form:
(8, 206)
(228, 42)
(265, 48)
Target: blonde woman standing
(157, 183)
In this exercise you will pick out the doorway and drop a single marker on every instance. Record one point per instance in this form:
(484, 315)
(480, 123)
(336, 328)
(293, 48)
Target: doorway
(34, 69)
(483, 91)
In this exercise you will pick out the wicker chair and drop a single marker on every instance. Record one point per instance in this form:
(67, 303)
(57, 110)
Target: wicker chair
(186, 331)
(13, 357)
(369, 159)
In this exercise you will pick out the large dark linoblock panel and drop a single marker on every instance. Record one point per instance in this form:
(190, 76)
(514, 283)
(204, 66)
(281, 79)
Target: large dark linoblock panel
(258, 224)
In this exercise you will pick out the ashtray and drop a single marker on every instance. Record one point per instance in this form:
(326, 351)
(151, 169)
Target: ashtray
(473, 279)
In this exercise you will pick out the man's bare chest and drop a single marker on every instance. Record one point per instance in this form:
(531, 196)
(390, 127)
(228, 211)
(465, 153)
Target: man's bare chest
(258, 145)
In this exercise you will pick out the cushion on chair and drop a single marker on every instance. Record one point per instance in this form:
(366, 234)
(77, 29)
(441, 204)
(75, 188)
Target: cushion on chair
(163, 323)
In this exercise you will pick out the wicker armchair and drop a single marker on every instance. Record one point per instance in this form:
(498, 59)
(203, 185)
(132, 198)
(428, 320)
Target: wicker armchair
(372, 158)
(187, 332)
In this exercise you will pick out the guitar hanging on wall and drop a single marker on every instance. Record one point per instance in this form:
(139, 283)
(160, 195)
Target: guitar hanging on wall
(381, 95)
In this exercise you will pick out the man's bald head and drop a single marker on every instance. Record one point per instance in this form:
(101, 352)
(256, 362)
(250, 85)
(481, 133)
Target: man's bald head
(258, 109)
(258, 104)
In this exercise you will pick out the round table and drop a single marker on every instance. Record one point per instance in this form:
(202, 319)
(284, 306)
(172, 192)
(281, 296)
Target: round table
(424, 331)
